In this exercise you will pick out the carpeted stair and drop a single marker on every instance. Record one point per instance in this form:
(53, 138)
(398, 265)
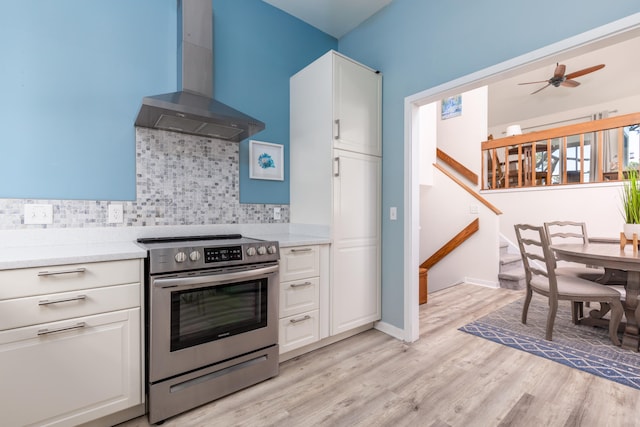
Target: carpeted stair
(511, 274)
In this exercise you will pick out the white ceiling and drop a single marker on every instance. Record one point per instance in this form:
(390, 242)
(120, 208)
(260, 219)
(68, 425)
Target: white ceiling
(508, 101)
(334, 17)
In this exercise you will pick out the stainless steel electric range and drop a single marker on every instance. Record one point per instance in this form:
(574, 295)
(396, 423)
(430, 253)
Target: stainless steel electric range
(211, 318)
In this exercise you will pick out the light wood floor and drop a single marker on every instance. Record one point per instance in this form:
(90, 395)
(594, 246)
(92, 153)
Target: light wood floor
(446, 378)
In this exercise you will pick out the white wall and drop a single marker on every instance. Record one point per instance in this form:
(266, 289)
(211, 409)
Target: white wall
(596, 204)
(457, 134)
(446, 208)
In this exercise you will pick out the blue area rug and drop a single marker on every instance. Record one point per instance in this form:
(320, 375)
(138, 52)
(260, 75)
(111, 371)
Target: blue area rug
(582, 347)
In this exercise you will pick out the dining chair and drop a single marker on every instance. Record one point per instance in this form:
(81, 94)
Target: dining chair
(539, 264)
(571, 232)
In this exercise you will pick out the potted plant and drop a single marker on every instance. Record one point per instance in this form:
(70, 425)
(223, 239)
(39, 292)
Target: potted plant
(631, 204)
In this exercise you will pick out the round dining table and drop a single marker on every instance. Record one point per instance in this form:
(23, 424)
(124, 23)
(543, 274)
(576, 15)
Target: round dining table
(617, 262)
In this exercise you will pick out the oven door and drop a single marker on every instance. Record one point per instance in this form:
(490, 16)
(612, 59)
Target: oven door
(200, 319)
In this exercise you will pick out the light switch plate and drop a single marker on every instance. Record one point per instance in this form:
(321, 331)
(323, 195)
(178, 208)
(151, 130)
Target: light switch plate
(38, 214)
(393, 213)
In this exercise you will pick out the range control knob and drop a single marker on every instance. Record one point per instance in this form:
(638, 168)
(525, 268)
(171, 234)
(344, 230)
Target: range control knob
(251, 251)
(272, 249)
(181, 257)
(262, 250)
(194, 256)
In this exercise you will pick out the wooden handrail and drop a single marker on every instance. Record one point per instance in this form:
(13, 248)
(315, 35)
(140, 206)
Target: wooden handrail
(468, 189)
(452, 244)
(562, 131)
(457, 166)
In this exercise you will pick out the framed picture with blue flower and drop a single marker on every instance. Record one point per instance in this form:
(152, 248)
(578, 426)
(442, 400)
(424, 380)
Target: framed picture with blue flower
(266, 161)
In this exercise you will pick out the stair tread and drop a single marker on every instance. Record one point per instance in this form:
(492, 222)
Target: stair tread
(509, 258)
(512, 275)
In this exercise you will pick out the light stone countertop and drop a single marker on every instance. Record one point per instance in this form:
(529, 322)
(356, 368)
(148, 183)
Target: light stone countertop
(74, 253)
(286, 240)
(39, 248)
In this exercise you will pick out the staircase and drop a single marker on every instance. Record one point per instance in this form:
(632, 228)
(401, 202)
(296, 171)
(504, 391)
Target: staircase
(511, 274)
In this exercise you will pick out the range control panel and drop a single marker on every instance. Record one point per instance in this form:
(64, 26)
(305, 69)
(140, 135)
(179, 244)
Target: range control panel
(230, 253)
(183, 256)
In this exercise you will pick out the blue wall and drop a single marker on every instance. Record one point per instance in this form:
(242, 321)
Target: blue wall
(256, 49)
(73, 73)
(420, 44)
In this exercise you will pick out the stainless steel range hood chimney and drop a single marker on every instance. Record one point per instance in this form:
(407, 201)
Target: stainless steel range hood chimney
(192, 110)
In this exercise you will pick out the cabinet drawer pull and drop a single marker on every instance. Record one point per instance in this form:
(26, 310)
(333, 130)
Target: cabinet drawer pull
(337, 122)
(294, 321)
(301, 250)
(299, 285)
(56, 301)
(336, 170)
(71, 271)
(65, 328)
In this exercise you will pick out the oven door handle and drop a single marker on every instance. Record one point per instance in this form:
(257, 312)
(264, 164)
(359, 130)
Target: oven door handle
(213, 278)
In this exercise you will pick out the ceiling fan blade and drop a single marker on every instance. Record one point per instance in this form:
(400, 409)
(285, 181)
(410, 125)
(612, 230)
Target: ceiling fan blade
(570, 83)
(559, 72)
(584, 71)
(530, 83)
(548, 84)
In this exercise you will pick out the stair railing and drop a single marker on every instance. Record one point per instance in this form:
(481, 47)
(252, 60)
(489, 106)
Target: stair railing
(466, 232)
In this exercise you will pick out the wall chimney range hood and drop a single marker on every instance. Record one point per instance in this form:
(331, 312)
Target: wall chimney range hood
(192, 110)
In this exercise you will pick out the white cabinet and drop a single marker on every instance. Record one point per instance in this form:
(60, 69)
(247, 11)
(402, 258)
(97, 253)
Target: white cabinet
(336, 178)
(70, 342)
(299, 297)
(356, 107)
(355, 252)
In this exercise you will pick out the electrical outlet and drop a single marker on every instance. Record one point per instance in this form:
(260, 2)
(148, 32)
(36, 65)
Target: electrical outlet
(38, 214)
(276, 213)
(393, 213)
(116, 213)
(473, 209)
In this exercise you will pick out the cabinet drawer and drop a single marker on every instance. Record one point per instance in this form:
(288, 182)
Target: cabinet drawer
(298, 331)
(19, 312)
(62, 278)
(299, 262)
(299, 296)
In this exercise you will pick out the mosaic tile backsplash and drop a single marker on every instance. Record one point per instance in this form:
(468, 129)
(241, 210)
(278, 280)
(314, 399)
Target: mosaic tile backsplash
(180, 180)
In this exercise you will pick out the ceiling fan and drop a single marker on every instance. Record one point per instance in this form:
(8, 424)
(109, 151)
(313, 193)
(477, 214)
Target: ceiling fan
(560, 79)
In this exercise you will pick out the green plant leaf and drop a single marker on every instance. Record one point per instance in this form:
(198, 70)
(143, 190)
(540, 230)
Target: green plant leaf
(631, 197)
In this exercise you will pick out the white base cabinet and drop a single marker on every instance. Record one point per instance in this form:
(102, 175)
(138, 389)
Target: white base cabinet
(303, 285)
(70, 343)
(72, 376)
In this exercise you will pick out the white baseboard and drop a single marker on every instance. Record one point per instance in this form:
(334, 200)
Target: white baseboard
(391, 330)
(480, 282)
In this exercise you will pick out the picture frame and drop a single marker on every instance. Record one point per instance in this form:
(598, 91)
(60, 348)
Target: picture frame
(451, 107)
(266, 161)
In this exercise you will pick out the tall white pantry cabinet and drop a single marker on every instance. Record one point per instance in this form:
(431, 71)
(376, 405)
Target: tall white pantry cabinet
(335, 175)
